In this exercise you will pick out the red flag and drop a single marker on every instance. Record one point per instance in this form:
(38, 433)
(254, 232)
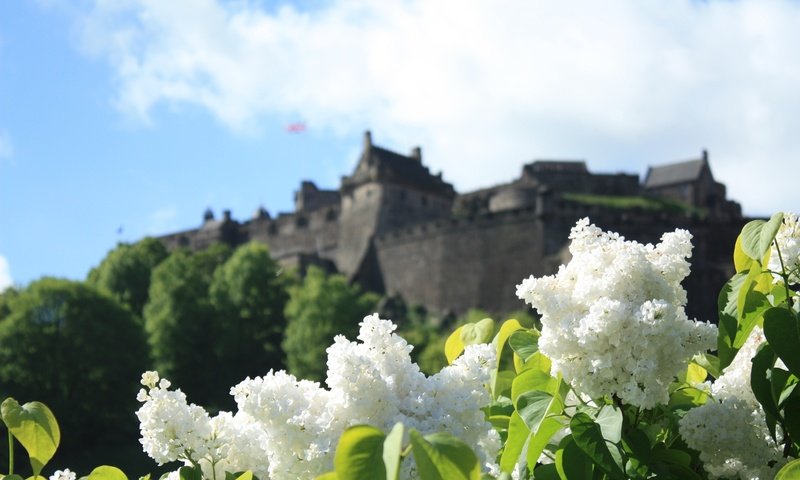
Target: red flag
(297, 127)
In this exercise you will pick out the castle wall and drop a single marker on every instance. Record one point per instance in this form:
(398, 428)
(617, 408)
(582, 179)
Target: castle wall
(455, 264)
(290, 235)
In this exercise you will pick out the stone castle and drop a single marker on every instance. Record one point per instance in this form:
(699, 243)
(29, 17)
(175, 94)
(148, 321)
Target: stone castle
(395, 228)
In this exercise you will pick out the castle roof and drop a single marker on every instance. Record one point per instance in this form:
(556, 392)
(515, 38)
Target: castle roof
(559, 166)
(673, 173)
(378, 164)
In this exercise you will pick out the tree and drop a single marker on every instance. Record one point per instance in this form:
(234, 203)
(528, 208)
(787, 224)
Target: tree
(211, 258)
(249, 298)
(77, 350)
(125, 272)
(179, 322)
(320, 308)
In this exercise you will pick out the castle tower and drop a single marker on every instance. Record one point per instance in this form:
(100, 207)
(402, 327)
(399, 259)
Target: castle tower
(387, 191)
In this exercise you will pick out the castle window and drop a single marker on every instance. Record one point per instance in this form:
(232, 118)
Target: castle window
(272, 229)
(424, 201)
(331, 215)
(301, 222)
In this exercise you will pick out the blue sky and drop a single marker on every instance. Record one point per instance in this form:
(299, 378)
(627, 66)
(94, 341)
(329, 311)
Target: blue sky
(120, 119)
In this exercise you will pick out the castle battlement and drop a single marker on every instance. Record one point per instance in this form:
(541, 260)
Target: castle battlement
(396, 228)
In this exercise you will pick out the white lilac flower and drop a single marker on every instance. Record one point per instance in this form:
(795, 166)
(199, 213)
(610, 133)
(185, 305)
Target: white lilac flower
(65, 474)
(730, 430)
(150, 379)
(171, 429)
(287, 428)
(788, 240)
(613, 319)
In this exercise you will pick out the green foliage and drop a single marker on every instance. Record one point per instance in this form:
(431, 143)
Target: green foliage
(365, 453)
(320, 308)
(125, 272)
(179, 321)
(77, 350)
(249, 297)
(106, 472)
(626, 202)
(34, 426)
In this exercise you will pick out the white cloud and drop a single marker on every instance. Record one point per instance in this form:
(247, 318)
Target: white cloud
(488, 85)
(5, 274)
(6, 146)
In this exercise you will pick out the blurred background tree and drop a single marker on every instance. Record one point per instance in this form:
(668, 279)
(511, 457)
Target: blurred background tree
(319, 308)
(125, 272)
(79, 351)
(249, 297)
(181, 329)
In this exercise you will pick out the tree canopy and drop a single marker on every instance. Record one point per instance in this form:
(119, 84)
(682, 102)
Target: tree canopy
(125, 272)
(76, 349)
(320, 308)
(249, 297)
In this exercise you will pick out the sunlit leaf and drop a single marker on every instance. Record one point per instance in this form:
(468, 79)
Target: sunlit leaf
(453, 346)
(106, 472)
(479, 332)
(392, 449)
(359, 454)
(35, 427)
(441, 456)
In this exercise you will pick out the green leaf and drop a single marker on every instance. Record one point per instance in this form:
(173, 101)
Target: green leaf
(546, 472)
(106, 472)
(441, 456)
(502, 382)
(769, 231)
(454, 346)
(35, 427)
(741, 261)
(536, 362)
(392, 449)
(728, 318)
(541, 438)
(479, 332)
(751, 238)
(524, 344)
(190, 473)
(533, 406)
(754, 305)
(610, 420)
(791, 413)
(637, 443)
(781, 330)
(518, 434)
(780, 379)
(506, 330)
(327, 476)
(760, 382)
(709, 362)
(246, 475)
(533, 379)
(790, 471)
(572, 463)
(359, 454)
(757, 236)
(589, 437)
(678, 463)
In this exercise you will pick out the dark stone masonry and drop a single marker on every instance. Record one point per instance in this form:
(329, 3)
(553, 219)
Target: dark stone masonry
(395, 228)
